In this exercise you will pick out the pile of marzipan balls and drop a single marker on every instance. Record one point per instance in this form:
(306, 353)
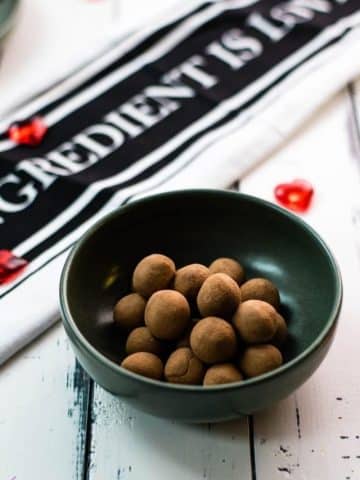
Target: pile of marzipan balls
(200, 325)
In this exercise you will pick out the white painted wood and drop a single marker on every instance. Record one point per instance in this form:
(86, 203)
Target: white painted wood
(42, 404)
(130, 445)
(43, 396)
(315, 434)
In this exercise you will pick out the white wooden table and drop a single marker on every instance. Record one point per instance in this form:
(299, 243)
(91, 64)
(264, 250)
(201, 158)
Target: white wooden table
(56, 424)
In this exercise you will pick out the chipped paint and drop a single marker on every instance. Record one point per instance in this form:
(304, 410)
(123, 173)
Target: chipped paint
(206, 461)
(86, 430)
(79, 383)
(121, 473)
(117, 413)
(298, 422)
(284, 469)
(288, 470)
(251, 435)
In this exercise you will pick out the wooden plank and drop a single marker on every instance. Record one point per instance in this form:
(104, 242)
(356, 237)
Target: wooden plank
(43, 412)
(127, 444)
(315, 433)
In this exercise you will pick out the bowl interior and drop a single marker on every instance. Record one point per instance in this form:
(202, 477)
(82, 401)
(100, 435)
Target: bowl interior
(199, 226)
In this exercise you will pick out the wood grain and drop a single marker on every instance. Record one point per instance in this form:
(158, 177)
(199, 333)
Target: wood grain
(43, 412)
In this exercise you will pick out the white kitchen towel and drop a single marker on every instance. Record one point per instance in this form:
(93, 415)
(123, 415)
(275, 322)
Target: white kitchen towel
(194, 101)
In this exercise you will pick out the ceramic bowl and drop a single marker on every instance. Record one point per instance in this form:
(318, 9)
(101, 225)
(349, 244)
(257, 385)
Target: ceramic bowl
(199, 226)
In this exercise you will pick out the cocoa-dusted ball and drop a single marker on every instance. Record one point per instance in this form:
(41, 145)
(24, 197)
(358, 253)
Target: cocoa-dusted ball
(255, 321)
(184, 367)
(213, 340)
(230, 267)
(141, 340)
(281, 331)
(219, 296)
(260, 289)
(154, 272)
(129, 311)
(167, 314)
(144, 363)
(222, 373)
(188, 280)
(259, 359)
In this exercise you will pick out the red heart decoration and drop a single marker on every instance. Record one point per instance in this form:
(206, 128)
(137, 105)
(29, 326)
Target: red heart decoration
(295, 195)
(11, 266)
(28, 132)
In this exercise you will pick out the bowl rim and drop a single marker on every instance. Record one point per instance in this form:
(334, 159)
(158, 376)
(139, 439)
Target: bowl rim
(76, 335)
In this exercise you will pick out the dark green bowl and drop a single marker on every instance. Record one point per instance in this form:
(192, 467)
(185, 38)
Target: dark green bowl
(198, 226)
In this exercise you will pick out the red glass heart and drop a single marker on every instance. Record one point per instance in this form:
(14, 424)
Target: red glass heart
(11, 266)
(295, 196)
(28, 132)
